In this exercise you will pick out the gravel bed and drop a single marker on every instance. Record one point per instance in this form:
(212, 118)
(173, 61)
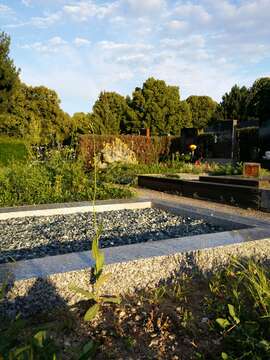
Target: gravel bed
(32, 237)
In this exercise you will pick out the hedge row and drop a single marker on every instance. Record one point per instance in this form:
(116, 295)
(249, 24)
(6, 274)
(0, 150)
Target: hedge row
(148, 150)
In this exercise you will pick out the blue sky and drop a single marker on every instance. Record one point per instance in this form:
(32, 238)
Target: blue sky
(80, 48)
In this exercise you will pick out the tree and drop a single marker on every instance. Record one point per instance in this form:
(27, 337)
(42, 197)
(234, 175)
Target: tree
(132, 123)
(258, 102)
(109, 113)
(44, 104)
(157, 106)
(9, 75)
(234, 104)
(81, 123)
(185, 113)
(202, 110)
(36, 114)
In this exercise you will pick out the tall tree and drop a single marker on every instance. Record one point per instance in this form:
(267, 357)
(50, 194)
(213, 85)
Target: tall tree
(9, 75)
(185, 113)
(36, 114)
(81, 123)
(202, 110)
(157, 106)
(234, 103)
(132, 123)
(109, 114)
(258, 102)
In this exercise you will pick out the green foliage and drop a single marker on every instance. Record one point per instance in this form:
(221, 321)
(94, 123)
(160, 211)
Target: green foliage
(56, 180)
(258, 101)
(158, 107)
(36, 115)
(202, 110)
(228, 169)
(110, 114)
(35, 347)
(234, 103)
(12, 149)
(9, 75)
(185, 114)
(81, 122)
(88, 351)
(126, 174)
(241, 300)
(98, 279)
(17, 344)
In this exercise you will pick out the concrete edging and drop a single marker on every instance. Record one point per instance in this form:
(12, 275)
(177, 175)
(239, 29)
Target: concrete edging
(42, 283)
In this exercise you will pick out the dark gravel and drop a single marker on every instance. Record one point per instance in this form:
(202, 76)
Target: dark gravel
(33, 237)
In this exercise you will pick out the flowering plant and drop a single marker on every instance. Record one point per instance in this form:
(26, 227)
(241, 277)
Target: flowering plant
(193, 147)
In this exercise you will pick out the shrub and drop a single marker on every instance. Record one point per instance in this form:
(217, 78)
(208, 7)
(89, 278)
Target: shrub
(52, 181)
(147, 150)
(12, 149)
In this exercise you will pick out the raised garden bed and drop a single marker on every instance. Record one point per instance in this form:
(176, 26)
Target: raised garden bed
(237, 191)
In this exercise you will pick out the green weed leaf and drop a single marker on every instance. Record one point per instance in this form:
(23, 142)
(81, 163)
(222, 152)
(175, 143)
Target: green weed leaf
(88, 351)
(114, 299)
(87, 294)
(40, 337)
(232, 313)
(91, 312)
(101, 280)
(224, 323)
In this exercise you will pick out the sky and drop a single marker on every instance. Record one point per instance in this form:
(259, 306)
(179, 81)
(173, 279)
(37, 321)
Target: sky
(80, 48)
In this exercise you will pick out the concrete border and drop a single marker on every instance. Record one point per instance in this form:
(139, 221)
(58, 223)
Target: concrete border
(71, 208)
(244, 230)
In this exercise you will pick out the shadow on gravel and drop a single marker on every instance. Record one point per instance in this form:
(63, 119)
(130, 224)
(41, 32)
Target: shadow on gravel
(40, 298)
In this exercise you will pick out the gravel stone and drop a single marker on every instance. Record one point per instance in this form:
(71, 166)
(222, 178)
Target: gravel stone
(33, 237)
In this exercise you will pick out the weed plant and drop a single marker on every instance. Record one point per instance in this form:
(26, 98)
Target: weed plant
(240, 298)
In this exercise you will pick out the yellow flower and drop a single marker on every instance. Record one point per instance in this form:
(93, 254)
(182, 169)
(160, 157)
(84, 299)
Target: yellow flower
(193, 147)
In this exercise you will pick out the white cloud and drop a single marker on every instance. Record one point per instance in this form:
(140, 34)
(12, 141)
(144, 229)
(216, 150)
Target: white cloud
(192, 41)
(45, 21)
(84, 10)
(134, 59)
(193, 12)
(38, 21)
(26, 2)
(78, 41)
(146, 6)
(5, 10)
(53, 45)
(111, 45)
(177, 25)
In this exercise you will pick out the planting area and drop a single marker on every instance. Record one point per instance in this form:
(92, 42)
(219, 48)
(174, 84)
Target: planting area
(190, 317)
(33, 237)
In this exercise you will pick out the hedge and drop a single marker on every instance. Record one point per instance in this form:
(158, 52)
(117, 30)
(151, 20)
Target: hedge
(148, 150)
